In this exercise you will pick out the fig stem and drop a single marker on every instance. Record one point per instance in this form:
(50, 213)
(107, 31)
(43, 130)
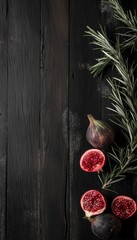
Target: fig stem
(89, 219)
(96, 122)
(91, 118)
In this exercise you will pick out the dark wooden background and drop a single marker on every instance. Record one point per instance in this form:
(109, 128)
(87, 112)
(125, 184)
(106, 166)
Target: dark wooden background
(45, 94)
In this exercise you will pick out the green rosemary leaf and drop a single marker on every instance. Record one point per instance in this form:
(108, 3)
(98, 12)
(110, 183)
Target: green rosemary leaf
(100, 179)
(120, 111)
(117, 123)
(117, 180)
(115, 158)
(130, 132)
(109, 56)
(134, 147)
(122, 176)
(132, 170)
(97, 68)
(134, 160)
(120, 80)
(112, 109)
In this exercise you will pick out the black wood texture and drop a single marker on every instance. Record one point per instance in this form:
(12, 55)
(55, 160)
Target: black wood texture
(46, 93)
(3, 115)
(84, 98)
(23, 119)
(54, 117)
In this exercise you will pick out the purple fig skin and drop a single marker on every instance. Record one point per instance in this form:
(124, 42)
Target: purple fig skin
(106, 226)
(99, 134)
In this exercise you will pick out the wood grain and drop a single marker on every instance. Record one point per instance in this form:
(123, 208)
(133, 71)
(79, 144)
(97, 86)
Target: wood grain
(23, 119)
(3, 115)
(84, 98)
(46, 93)
(54, 104)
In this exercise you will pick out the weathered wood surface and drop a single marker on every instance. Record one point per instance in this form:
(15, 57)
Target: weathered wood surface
(84, 98)
(23, 120)
(3, 114)
(46, 93)
(54, 115)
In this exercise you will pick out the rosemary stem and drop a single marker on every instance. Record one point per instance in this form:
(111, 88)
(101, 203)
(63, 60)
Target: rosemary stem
(122, 170)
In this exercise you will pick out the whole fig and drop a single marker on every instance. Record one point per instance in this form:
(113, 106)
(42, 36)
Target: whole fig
(105, 226)
(99, 134)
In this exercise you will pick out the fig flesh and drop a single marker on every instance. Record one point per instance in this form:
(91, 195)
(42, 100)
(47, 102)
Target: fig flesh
(106, 226)
(92, 202)
(92, 160)
(123, 207)
(99, 134)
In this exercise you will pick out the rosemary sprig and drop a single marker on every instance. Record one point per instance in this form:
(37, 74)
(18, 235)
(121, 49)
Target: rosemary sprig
(102, 43)
(124, 97)
(124, 158)
(130, 23)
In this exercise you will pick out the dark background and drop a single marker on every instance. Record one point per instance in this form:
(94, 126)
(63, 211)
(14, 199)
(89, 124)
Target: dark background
(46, 92)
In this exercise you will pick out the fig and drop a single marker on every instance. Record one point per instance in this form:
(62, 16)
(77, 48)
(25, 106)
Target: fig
(92, 202)
(92, 160)
(123, 207)
(105, 226)
(99, 134)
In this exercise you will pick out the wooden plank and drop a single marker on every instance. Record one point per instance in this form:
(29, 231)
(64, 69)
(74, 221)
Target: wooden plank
(84, 98)
(3, 115)
(54, 102)
(23, 120)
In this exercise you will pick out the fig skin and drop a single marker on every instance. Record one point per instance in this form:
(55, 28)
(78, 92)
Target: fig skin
(99, 134)
(105, 226)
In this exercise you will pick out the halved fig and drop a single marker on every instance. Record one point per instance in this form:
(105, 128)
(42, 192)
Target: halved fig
(123, 207)
(93, 203)
(92, 160)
